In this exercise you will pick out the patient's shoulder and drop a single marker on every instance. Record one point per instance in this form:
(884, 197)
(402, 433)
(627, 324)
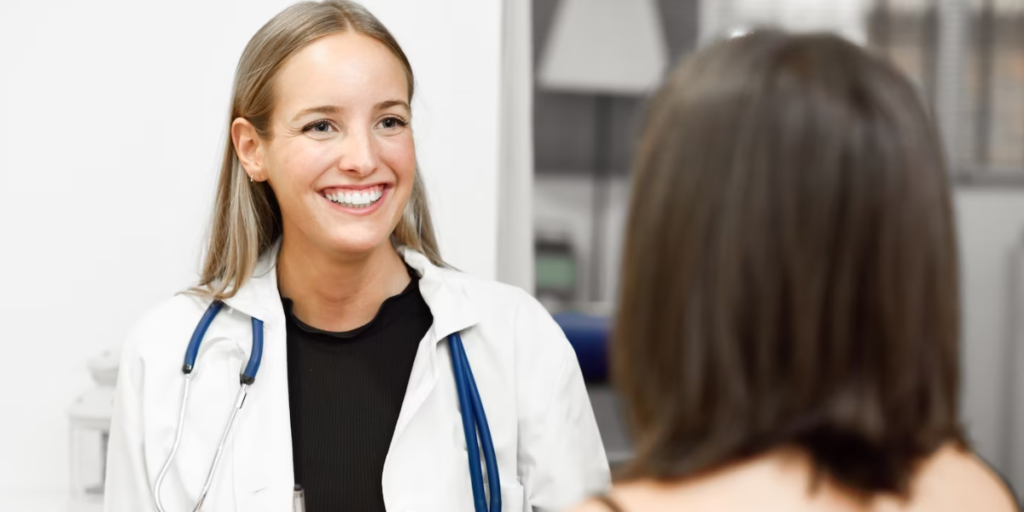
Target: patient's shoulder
(956, 479)
(951, 480)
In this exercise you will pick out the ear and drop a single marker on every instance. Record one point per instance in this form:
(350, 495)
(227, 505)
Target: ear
(249, 148)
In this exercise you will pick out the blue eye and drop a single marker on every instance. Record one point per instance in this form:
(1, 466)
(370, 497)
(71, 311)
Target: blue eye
(321, 126)
(392, 122)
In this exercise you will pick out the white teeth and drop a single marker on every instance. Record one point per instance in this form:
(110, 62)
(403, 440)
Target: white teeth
(357, 199)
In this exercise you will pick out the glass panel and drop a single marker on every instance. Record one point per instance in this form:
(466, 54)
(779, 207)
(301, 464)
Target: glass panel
(905, 32)
(995, 87)
(992, 127)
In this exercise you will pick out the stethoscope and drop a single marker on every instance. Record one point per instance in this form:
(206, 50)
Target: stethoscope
(474, 421)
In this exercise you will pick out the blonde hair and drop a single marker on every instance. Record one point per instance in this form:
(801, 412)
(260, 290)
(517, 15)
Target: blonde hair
(246, 216)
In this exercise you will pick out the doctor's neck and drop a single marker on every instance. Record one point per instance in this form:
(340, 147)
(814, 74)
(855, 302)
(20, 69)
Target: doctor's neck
(336, 292)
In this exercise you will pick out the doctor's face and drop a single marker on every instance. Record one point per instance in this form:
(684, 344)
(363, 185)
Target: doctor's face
(341, 158)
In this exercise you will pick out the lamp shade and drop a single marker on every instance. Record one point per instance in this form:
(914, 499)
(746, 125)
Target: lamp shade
(604, 46)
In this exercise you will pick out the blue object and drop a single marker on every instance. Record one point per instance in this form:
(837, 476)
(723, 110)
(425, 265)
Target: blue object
(249, 375)
(197, 336)
(474, 420)
(589, 337)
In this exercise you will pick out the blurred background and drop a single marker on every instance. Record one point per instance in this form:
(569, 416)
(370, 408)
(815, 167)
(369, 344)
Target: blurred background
(112, 117)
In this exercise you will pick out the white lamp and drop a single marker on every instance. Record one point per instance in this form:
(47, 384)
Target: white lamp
(606, 48)
(90, 417)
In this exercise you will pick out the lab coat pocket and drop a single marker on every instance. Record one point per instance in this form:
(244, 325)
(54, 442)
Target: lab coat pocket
(513, 498)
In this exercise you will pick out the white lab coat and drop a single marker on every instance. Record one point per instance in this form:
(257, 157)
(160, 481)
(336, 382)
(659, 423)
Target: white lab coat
(548, 447)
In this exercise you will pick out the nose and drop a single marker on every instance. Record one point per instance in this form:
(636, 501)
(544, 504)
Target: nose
(360, 153)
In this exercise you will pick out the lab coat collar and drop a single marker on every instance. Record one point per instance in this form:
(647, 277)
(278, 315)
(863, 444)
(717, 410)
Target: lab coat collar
(453, 311)
(259, 296)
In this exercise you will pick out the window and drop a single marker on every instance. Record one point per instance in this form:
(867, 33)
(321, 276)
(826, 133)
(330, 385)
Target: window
(967, 59)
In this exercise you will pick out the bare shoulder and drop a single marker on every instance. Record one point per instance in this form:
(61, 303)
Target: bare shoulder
(954, 479)
(636, 496)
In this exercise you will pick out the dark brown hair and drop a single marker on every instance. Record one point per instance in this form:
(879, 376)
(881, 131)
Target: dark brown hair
(790, 273)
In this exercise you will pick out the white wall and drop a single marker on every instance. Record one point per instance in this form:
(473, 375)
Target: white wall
(515, 190)
(112, 115)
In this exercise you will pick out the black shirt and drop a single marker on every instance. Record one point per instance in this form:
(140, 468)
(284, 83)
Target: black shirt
(345, 391)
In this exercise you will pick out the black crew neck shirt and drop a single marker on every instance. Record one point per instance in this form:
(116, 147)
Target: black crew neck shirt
(345, 391)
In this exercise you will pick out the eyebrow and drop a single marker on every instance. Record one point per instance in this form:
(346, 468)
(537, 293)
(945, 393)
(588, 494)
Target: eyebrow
(392, 103)
(331, 110)
(323, 109)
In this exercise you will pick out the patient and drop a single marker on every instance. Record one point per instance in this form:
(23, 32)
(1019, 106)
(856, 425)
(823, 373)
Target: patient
(787, 332)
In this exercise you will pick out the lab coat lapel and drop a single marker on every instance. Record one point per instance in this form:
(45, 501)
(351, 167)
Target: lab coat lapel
(452, 311)
(263, 468)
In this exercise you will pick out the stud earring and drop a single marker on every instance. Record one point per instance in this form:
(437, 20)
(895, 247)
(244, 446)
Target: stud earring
(250, 178)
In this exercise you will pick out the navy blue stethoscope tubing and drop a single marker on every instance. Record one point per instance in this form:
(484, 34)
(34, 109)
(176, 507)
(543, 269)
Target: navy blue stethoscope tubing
(248, 375)
(474, 419)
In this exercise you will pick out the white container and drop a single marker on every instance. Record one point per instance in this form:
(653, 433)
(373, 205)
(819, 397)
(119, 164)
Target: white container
(89, 422)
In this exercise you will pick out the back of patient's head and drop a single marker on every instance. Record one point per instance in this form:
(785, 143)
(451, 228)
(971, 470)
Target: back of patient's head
(790, 272)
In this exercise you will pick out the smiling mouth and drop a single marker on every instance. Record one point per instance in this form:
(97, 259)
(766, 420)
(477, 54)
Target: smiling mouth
(356, 198)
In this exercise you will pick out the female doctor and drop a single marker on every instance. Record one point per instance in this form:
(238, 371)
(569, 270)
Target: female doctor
(321, 232)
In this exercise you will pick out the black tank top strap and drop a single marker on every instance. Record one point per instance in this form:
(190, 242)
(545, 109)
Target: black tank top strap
(609, 503)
